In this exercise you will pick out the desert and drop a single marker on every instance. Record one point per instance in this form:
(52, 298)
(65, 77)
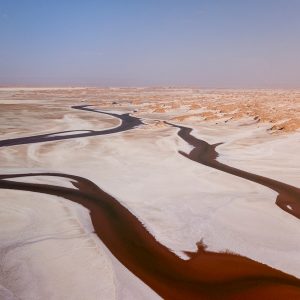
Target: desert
(149, 193)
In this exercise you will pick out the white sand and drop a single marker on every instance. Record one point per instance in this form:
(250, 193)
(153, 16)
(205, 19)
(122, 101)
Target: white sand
(47, 245)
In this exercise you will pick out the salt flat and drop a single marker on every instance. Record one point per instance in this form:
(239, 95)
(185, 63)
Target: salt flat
(48, 248)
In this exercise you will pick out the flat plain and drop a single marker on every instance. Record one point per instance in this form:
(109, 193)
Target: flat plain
(203, 179)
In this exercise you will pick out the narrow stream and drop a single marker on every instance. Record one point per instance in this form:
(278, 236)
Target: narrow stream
(206, 275)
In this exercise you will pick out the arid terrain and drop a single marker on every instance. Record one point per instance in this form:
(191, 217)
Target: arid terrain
(149, 193)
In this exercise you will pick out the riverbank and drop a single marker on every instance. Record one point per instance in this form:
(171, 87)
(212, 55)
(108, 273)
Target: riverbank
(179, 208)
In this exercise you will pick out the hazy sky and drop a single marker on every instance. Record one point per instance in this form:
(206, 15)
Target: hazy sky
(212, 43)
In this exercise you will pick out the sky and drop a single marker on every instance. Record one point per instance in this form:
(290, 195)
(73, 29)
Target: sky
(197, 43)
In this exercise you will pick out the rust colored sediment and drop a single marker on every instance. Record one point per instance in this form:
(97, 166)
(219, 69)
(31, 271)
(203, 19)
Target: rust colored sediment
(206, 275)
(204, 153)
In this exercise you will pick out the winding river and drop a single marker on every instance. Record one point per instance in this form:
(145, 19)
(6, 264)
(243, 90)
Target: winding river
(288, 197)
(127, 122)
(205, 275)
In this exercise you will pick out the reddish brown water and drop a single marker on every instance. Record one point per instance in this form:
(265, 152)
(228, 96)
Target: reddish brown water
(206, 275)
(288, 197)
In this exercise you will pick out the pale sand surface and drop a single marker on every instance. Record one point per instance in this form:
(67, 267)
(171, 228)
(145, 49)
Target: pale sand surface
(48, 249)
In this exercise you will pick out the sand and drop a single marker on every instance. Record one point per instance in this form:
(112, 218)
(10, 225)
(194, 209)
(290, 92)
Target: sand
(178, 201)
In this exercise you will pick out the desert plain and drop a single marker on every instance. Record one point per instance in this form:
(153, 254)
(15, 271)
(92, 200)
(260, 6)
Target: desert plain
(202, 184)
